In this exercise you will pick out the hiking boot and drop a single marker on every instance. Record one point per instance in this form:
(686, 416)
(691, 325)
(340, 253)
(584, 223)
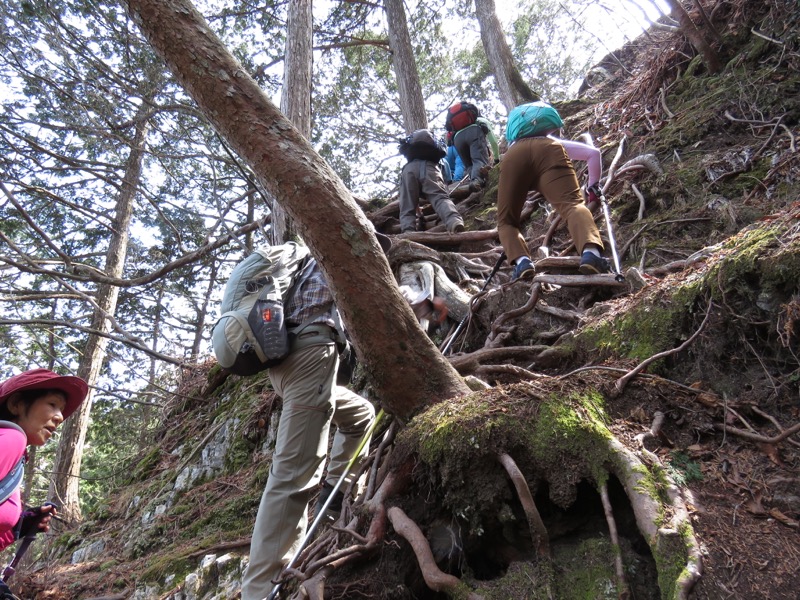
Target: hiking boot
(523, 269)
(458, 227)
(334, 508)
(591, 264)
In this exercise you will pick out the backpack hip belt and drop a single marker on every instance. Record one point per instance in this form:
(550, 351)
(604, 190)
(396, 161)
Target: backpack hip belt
(313, 335)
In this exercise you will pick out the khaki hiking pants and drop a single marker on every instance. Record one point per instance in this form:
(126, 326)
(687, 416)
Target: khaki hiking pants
(311, 401)
(541, 164)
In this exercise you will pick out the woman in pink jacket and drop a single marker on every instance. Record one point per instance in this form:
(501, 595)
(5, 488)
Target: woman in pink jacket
(543, 162)
(32, 405)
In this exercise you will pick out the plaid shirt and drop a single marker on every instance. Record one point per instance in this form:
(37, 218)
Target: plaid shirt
(312, 296)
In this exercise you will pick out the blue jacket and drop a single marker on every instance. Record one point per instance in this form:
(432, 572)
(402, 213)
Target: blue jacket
(455, 162)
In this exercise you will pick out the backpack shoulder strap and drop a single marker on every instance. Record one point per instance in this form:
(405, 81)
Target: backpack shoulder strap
(13, 478)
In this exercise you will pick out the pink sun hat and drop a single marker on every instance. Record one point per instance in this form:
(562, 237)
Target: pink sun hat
(74, 388)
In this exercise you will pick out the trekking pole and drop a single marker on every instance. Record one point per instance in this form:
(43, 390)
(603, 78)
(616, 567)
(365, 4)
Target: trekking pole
(464, 320)
(11, 568)
(607, 214)
(618, 276)
(318, 517)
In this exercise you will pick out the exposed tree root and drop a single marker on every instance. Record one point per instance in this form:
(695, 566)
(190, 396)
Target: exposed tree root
(623, 591)
(434, 577)
(605, 280)
(472, 362)
(519, 373)
(535, 523)
(315, 587)
(675, 535)
(512, 314)
(655, 432)
(754, 437)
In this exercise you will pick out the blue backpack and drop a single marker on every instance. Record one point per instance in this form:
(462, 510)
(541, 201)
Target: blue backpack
(531, 120)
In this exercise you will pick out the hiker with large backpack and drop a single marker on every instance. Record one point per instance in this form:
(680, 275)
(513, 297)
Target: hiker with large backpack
(472, 138)
(279, 312)
(538, 160)
(32, 405)
(421, 178)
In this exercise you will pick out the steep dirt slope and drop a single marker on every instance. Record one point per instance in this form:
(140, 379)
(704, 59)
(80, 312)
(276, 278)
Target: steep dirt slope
(707, 212)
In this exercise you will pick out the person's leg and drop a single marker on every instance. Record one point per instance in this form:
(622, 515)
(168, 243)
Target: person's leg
(462, 142)
(409, 196)
(517, 177)
(305, 382)
(479, 153)
(433, 189)
(559, 185)
(352, 416)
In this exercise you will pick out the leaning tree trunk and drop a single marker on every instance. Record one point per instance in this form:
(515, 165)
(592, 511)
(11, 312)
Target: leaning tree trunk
(695, 37)
(296, 93)
(513, 89)
(383, 327)
(412, 102)
(67, 463)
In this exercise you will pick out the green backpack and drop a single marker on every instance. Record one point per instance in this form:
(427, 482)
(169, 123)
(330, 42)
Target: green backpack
(532, 119)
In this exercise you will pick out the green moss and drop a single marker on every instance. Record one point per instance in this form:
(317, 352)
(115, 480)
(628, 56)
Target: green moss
(653, 483)
(586, 573)
(162, 565)
(671, 557)
(239, 454)
(145, 467)
(522, 581)
(758, 261)
(572, 430)
(639, 333)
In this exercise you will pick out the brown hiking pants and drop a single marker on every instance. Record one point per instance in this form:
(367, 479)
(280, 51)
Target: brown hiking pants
(541, 164)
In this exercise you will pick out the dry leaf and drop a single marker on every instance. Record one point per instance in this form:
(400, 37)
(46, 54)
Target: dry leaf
(779, 516)
(707, 399)
(754, 506)
(771, 450)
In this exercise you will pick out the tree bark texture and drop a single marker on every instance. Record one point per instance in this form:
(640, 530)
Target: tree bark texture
(512, 88)
(412, 102)
(296, 93)
(381, 323)
(67, 464)
(695, 37)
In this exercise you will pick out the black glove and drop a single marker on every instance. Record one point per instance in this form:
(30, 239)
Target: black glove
(6, 593)
(30, 519)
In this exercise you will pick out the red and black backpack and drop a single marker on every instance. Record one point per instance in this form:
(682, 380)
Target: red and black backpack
(460, 115)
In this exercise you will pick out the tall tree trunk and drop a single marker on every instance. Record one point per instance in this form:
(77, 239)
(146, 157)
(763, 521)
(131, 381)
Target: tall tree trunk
(512, 88)
(67, 464)
(394, 349)
(412, 102)
(202, 310)
(296, 93)
(695, 37)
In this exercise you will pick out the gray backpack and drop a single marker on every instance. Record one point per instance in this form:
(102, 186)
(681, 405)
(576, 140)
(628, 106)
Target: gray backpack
(251, 334)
